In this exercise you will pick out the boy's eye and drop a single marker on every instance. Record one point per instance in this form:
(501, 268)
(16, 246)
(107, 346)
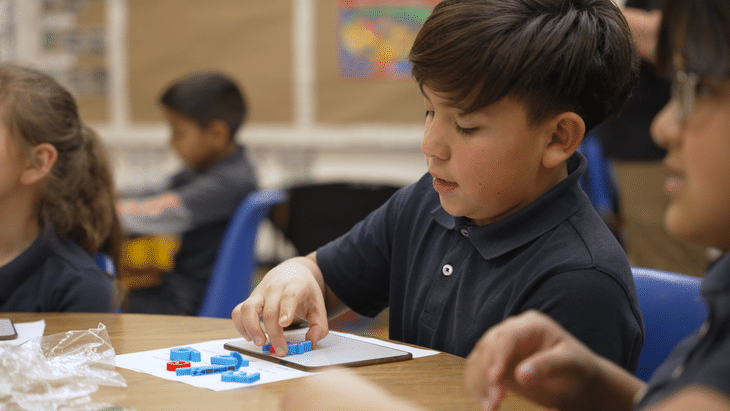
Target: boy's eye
(708, 87)
(466, 131)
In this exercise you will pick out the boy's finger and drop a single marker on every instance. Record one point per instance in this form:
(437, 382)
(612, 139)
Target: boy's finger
(318, 326)
(246, 319)
(287, 309)
(493, 400)
(478, 368)
(238, 322)
(492, 355)
(270, 316)
(541, 365)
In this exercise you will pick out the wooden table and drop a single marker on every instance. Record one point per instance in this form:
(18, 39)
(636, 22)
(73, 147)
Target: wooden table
(436, 382)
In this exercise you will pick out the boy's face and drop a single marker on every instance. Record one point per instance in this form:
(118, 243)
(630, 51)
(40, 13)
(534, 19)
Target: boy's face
(188, 140)
(488, 164)
(697, 159)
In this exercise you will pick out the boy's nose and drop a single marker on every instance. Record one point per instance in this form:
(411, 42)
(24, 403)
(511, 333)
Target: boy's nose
(665, 128)
(433, 143)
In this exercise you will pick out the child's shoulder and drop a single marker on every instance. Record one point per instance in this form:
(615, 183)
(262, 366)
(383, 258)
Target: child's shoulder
(235, 162)
(238, 158)
(68, 254)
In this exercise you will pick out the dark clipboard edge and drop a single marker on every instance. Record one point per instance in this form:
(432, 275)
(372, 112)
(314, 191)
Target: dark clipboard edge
(12, 336)
(283, 361)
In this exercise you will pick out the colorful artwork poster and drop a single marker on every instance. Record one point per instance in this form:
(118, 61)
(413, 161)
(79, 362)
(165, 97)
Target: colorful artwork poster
(375, 36)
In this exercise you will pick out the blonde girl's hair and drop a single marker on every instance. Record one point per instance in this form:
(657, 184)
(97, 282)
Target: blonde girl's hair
(78, 199)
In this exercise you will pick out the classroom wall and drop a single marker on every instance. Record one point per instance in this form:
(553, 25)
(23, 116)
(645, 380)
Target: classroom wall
(307, 121)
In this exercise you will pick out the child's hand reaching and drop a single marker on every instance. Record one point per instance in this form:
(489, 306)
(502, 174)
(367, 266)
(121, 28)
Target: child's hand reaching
(535, 357)
(290, 290)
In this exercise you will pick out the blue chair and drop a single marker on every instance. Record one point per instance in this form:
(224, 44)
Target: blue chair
(230, 279)
(598, 181)
(672, 309)
(105, 262)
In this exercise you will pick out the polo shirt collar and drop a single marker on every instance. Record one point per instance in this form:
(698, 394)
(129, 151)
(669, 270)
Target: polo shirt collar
(525, 225)
(717, 279)
(17, 271)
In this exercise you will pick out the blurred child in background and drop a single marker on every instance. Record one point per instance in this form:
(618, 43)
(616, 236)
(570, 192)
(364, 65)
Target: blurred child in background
(56, 201)
(204, 111)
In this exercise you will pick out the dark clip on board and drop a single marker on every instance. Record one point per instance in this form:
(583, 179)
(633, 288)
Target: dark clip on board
(335, 350)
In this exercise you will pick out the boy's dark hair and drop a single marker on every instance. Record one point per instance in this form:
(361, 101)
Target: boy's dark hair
(553, 55)
(205, 97)
(704, 42)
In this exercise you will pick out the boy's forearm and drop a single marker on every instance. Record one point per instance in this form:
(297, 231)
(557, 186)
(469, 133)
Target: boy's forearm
(332, 303)
(163, 214)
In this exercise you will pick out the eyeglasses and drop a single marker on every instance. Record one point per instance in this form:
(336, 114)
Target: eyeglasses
(684, 91)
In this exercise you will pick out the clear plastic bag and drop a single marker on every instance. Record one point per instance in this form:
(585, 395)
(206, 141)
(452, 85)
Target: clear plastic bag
(57, 372)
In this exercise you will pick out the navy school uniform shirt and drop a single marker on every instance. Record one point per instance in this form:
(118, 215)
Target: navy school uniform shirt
(209, 200)
(55, 275)
(447, 280)
(703, 358)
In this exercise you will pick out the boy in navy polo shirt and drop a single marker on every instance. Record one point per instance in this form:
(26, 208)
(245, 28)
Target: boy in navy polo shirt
(499, 225)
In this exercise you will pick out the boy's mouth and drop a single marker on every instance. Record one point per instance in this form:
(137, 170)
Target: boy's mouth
(673, 184)
(675, 180)
(442, 186)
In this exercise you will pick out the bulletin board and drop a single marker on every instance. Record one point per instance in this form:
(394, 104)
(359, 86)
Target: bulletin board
(252, 40)
(248, 39)
(73, 32)
(346, 98)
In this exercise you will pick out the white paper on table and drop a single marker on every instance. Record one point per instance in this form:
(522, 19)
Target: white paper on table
(154, 362)
(27, 331)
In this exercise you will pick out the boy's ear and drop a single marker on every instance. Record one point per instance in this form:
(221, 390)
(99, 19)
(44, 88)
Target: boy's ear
(568, 129)
(41, 159)
(219, 133)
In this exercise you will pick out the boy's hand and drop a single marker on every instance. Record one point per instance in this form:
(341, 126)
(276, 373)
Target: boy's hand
(535, 357)
(289, 290)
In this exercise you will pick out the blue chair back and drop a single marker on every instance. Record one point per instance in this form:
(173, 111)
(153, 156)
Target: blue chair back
(598, 181)
(105, 262)
(672, 309)
(230, 279)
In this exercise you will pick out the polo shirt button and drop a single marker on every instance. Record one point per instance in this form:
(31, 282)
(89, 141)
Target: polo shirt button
(465, 232)
(677, 372)
(447, 270)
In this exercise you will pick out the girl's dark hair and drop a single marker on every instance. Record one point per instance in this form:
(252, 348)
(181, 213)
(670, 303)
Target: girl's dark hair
(699, 30)
(78, 199)
(553, 55)
(205, 97)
